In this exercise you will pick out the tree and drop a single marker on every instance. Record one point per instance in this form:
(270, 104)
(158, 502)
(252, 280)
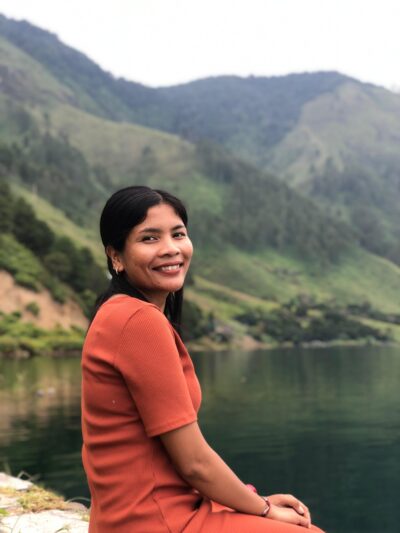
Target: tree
(30, 231)
(6, 208)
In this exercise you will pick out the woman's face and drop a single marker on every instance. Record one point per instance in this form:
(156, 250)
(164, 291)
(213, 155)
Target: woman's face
(157, 254)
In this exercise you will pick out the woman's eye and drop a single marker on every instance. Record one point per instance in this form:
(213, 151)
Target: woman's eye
(148, 238)
(179, 234)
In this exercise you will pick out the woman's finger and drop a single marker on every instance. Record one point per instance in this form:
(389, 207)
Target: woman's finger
(303, 521)
(298, 505)
(289, 500)
(304, 508)
(286, 514)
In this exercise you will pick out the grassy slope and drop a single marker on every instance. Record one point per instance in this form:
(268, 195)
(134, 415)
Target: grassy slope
(359, 277)
(236, 281)
(60, 224)
(34, 83)
(353, 124)
(344, 153)
(270, 275)
(28, 271)
(117, 146)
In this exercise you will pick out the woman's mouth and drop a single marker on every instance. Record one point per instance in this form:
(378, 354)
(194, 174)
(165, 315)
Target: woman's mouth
(169, 268)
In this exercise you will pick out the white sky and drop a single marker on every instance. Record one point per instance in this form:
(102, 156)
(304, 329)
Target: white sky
(165, 42)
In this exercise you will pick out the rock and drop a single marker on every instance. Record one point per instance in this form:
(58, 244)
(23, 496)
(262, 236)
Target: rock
(72, 517)
(76, 506)
(10, 482)
(8, 503)
(50, 391)
(44, 522)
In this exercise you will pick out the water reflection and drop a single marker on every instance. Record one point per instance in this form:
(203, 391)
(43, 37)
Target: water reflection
(40, 422)
(323, 424)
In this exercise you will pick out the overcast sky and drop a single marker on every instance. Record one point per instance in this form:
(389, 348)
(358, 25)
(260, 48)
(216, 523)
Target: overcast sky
(165, 42)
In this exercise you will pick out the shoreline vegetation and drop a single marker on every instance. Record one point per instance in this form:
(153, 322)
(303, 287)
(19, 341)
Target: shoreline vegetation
(246, 344)
(27, 507)
(299, 323)
(21, 340)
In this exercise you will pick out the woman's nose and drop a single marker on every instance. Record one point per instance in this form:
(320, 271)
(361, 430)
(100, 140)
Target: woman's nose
(169, 247)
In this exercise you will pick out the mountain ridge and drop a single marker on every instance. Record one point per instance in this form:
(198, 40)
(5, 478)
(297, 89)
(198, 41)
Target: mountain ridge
(251, 230)
(74, 68)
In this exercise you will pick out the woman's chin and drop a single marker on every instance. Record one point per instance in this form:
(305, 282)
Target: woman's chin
(165, 288)
(173, 285)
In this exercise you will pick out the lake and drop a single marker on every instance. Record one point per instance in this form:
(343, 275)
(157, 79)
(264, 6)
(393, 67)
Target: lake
(323, 424)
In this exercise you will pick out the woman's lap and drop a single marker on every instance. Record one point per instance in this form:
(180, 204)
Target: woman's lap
(215, 518)
(228, 522)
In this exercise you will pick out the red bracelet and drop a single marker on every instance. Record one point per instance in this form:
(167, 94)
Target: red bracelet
(267, 507)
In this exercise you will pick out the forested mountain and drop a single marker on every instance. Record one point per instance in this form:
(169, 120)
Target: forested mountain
(70, 134)
(331, 137)
(344, 153)
(89, 87)
(246, 115)
(56, 146)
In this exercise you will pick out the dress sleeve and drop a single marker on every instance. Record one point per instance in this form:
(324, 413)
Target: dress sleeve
(150, 364)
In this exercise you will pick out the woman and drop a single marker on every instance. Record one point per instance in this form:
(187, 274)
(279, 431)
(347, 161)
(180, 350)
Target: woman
(149, 468)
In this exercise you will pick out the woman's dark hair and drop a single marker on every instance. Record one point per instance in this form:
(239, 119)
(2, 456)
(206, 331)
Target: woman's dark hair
(124, 210)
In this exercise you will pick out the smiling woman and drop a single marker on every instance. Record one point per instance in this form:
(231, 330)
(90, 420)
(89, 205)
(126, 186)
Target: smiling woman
(156, 255)
(148, 465)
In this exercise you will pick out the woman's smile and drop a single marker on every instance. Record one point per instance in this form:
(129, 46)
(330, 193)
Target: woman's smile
(169, 268)
(157, 254)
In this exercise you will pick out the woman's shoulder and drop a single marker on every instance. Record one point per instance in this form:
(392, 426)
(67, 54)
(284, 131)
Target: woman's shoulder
(122, 313)
(124, 305)
(122, 308)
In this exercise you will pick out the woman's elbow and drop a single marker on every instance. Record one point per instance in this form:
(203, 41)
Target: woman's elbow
(197, 469)
(193, 458)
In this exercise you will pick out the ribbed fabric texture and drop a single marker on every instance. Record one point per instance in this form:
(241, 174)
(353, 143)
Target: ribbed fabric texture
(137, 381)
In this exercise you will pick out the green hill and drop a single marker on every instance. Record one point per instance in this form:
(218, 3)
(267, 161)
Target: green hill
(333, 138)
(39, 257)
(85, 84)
(86, 157)
(260, 246)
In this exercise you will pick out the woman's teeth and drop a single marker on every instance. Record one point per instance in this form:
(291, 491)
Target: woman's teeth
(170, 267)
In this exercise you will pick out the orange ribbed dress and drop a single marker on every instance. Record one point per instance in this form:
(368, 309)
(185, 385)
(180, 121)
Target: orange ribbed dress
(138, 382)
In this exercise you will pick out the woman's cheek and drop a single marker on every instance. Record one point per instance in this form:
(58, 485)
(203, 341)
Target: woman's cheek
(189, 249)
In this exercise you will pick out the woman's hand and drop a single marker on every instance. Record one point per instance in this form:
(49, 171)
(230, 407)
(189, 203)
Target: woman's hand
(287, 508)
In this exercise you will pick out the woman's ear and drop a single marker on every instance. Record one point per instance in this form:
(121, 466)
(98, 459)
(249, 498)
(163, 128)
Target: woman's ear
(115, 259)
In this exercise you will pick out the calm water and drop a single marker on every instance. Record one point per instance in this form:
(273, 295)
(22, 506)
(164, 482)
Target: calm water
(322, 424)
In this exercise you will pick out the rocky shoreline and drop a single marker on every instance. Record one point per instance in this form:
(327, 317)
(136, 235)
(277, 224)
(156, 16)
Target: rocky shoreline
(27, 508)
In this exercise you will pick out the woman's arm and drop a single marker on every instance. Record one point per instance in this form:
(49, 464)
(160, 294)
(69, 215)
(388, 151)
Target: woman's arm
(204, 470)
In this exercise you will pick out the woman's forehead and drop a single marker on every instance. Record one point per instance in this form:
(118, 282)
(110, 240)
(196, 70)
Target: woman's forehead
(161, 215)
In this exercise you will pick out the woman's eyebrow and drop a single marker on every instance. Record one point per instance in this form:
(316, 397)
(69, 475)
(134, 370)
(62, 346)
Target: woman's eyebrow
(158, 230)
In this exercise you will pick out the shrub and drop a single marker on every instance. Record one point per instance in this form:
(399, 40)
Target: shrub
(33, 308)
(8, 345)
(26, 280)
